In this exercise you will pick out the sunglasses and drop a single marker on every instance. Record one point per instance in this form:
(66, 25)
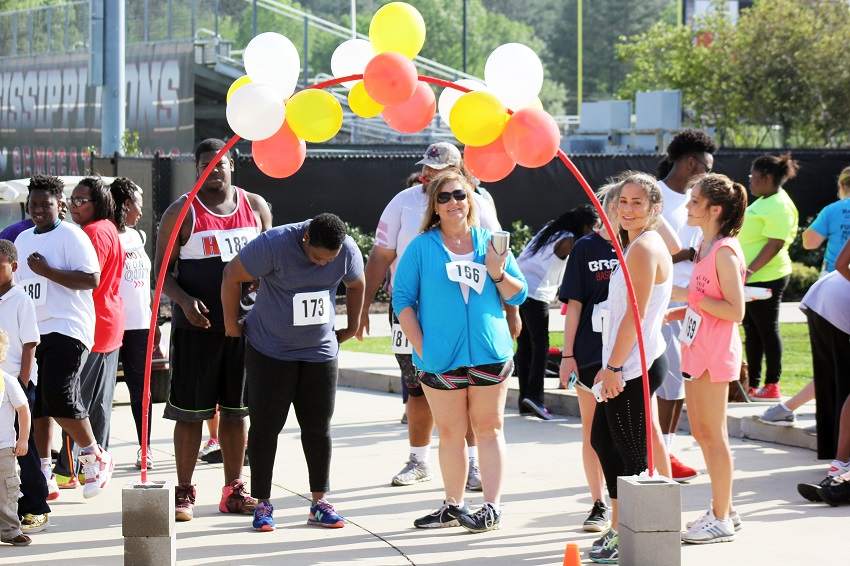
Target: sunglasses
(444, 197)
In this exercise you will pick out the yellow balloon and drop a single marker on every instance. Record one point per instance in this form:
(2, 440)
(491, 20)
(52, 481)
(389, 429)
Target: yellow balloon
(361, 103)
(314, 115)
(397, 27)
(537, 104)
(478, 118)
(237, 84)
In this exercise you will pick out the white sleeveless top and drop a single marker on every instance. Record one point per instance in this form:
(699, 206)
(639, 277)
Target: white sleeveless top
(618, 303)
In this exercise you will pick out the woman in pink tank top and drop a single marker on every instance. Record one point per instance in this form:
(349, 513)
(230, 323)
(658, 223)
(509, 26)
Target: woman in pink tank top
(711, 345)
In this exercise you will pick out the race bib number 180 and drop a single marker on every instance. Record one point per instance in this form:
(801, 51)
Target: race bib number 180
(36, 288)
(311, 308)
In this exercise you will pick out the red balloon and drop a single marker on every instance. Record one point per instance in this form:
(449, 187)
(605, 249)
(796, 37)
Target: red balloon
(390, 78)
(489, 162)
(413, 115)
(280, 155)
(532, 137)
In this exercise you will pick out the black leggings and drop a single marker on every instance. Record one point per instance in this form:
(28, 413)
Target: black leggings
(761, 326)
(532, 350)
(133, 352)
(619, 428)
(271, 387)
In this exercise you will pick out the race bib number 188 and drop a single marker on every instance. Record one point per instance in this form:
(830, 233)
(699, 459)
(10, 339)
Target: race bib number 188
(311, 308)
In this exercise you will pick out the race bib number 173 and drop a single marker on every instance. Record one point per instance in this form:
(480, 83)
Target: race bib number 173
(311, 308)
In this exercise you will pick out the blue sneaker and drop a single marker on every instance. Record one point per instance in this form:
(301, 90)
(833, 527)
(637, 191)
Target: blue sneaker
(322, 514)
(263, 520)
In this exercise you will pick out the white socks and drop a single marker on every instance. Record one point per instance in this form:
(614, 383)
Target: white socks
(668, 440)
(421, 452)
(473, 452)
(47, 467)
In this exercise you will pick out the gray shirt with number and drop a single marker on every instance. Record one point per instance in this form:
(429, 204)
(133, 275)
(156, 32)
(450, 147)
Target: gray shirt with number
(293, 318)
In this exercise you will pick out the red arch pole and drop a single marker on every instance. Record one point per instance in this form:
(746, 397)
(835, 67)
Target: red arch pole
(160, 280)
(172, 238)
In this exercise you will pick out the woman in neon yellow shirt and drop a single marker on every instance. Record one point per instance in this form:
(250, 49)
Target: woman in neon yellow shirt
(770, 226)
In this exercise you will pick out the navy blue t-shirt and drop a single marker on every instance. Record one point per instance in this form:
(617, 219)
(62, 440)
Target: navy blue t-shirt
(592, 260)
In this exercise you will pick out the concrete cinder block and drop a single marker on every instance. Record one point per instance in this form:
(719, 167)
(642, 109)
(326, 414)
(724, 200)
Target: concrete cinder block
(649, 505)
(660, 548)
(150, 551)
(147, 510)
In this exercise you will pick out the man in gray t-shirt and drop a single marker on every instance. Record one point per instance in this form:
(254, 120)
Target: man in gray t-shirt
(292, 347)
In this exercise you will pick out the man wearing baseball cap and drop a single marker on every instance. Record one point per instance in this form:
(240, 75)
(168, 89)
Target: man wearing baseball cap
(399, 224)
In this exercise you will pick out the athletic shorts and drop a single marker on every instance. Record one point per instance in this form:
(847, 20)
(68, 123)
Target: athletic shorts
(463, 377)
(587, 375)
(405, 363)
(59, 359)
(207, 370)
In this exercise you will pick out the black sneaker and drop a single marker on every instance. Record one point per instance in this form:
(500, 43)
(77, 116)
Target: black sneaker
(837, 492)
(483, 520)
(446, 516)
(810, 490)
(597, 521)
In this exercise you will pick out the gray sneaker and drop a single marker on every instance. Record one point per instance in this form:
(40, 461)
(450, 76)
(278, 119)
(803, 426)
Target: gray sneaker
(778, 416)
(473, 480)
(414, 471)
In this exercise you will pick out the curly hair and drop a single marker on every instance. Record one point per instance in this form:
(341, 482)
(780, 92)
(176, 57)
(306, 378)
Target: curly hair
(430, 219)
(50, 183)
(122, 190)
(4, 345)
(100, 196)
(731, 197)
(326, 231)
(8, 249)
(689, 142)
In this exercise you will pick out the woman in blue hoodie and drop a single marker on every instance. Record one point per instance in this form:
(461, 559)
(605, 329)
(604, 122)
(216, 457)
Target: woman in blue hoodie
(448, 291)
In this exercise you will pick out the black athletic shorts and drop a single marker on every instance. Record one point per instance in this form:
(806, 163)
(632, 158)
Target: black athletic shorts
(463, 377)
(59, 359)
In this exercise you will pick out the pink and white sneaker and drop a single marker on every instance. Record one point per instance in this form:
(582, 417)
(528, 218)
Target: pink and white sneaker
(52, 488)
(98, 472)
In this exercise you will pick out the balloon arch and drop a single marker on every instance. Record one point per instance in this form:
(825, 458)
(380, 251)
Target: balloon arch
(383, 80)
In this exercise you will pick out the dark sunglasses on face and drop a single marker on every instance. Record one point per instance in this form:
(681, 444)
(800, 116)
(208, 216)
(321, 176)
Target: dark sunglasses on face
(444, 197)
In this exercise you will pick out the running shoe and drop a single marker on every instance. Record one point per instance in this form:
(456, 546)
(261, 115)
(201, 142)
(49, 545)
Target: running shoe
(603, 540)
(539, 410)
(609, 553)
(598, 520)
(34, 523)
(263, 520)
(770, 392)
(837, 467)
(473, 479)
(149, 459)
(20, 540)
(70, 483)
(322, 514)
(837, 492)
(483, 520)
(98, 471)
(737, 524)
(52, 488)
(777, 415)
(710, 530)
(680, 471)
(210, 445)
(184, 502)
(414, 471)
(811, 491)
(234, 499)
(445, 516)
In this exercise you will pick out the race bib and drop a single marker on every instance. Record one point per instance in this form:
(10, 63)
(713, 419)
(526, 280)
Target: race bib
(690, 326)
(400, 343)
(231, 241)
(36, 288)
(604, 320)
(597, 320)
(311, 308)
(468, 273)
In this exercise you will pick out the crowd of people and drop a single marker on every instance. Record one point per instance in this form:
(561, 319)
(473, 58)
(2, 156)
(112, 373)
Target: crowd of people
(253, 332)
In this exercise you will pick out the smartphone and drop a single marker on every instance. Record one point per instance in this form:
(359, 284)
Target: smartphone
(573, 379)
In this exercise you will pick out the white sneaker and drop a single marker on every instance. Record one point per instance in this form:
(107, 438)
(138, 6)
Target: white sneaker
(836, 468)
(98, 471)
(52, 488)
(414, 471)
(737, 524)
(710, 529)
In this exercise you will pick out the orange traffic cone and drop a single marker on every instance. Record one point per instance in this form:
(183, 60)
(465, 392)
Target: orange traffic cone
(572, 557)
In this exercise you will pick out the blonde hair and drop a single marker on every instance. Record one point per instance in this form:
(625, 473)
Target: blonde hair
(607, 196)
(4, 345)
(653, 193)
(430, 219)
(844, 181)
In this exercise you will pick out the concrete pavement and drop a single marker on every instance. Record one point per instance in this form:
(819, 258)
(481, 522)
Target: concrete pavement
(545, 499)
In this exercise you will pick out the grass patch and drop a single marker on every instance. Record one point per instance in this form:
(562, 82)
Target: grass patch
(796, 361)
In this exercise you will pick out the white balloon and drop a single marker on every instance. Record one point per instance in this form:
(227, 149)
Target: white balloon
(272, 59)
(450, 95)
(255, 111)
(514, 74)
(350, 58)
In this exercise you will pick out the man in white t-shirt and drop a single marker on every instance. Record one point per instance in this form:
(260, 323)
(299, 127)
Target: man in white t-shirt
(401, 222)
(689, 154)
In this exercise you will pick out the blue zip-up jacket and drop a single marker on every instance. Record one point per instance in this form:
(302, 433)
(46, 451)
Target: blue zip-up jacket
(455, 334)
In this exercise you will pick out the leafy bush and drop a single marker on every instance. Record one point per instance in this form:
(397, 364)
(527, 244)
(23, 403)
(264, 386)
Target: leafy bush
(520, 236)
(364, 241)
(812, 258)
(802, 277)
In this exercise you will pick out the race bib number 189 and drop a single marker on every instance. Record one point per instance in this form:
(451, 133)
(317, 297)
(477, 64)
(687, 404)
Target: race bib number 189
(36, 288)
(311, 308)
(690, 326)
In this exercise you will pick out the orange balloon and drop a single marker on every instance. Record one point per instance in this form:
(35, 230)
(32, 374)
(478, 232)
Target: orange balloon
(280, 155)
(532, 137)
(489, 162)
(390, 78)
(415, 114)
